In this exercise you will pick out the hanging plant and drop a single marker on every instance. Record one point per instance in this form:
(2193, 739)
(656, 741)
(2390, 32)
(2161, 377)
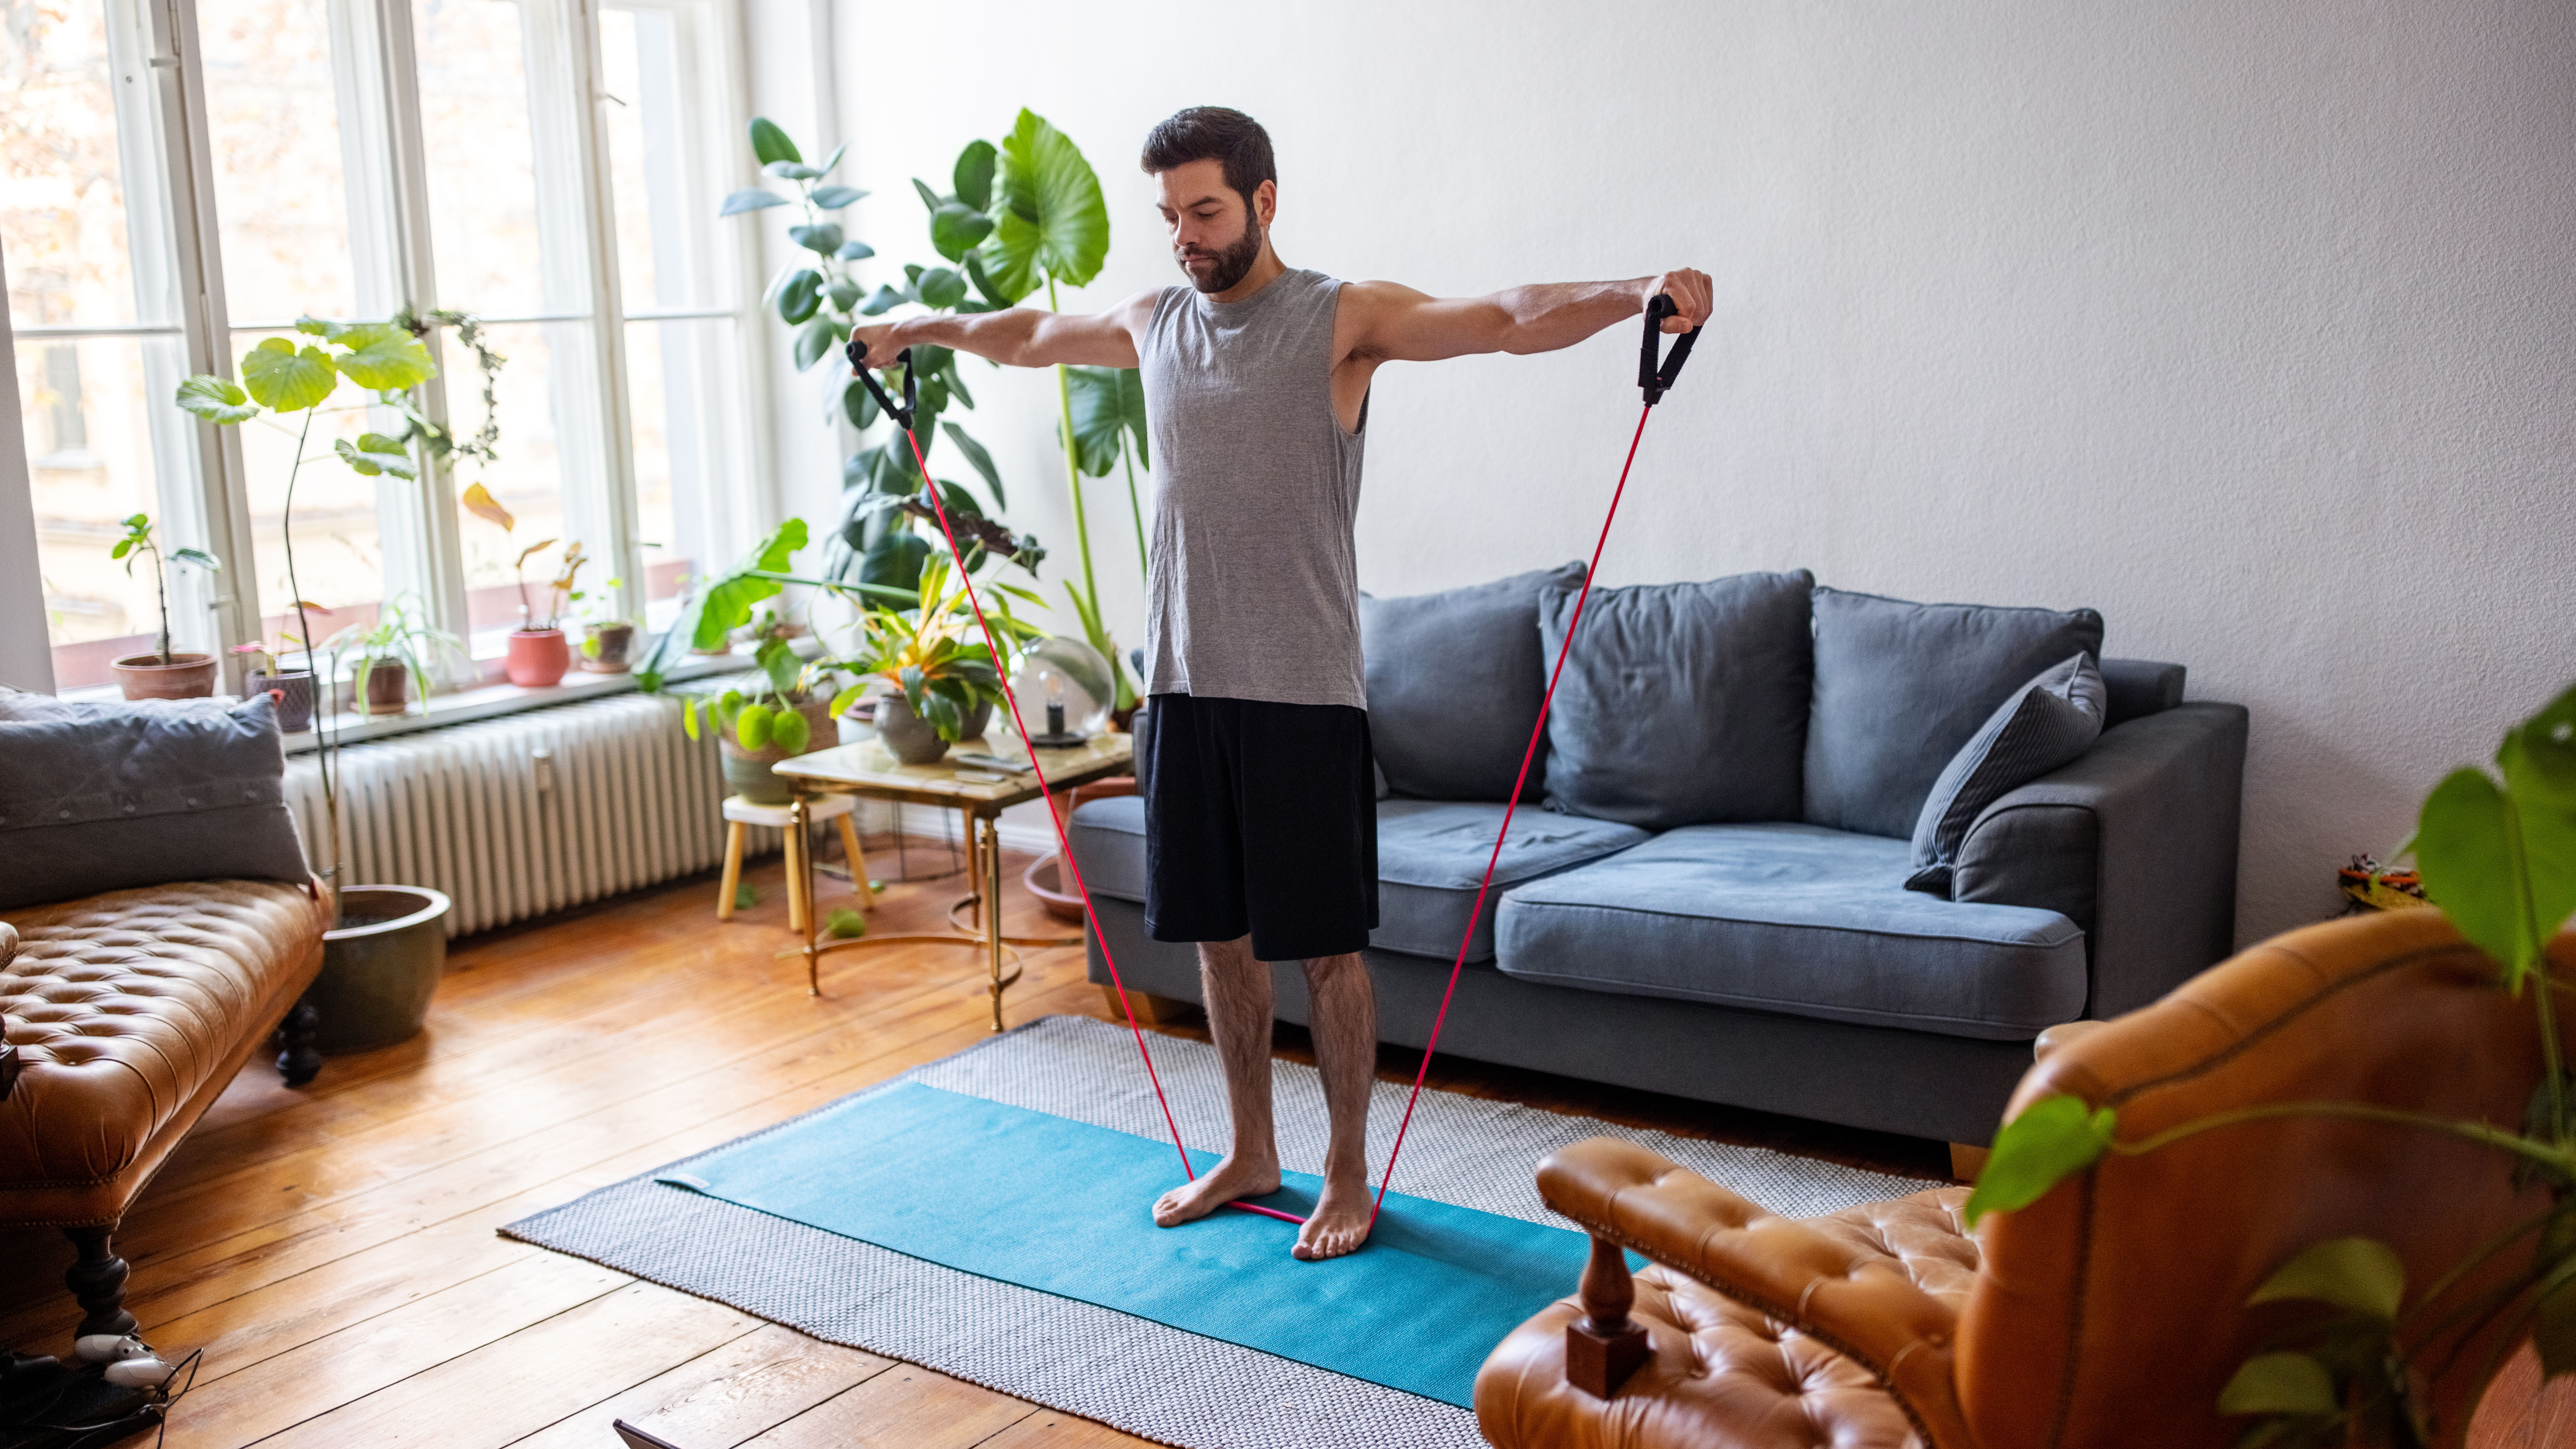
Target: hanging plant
(437, 440)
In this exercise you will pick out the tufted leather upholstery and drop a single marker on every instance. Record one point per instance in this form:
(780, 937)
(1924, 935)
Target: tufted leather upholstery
(131, 1011)
(2111, 1311)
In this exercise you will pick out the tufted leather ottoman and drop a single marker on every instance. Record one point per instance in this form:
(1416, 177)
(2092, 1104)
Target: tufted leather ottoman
(129, 1013)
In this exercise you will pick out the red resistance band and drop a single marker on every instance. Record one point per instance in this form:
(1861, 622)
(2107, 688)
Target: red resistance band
(1655, 382)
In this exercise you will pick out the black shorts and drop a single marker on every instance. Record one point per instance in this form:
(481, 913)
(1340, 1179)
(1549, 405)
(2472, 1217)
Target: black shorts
(1260, 821)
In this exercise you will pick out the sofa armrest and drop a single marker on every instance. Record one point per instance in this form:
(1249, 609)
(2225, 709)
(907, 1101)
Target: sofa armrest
(2135, 842)
(1857, 1303)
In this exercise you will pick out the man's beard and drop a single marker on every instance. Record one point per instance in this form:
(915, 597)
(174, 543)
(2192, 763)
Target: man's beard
(1234, 263)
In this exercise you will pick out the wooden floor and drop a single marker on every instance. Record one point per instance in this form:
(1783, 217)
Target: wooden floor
(332, 1251)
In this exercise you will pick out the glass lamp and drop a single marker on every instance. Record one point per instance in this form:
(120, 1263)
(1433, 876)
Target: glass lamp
(1065, 691)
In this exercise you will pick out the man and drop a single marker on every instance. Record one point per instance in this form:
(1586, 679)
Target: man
(1261, 816)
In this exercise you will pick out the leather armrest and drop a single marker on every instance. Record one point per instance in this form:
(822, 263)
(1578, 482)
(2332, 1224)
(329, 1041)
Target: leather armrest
(2135, 842)
(1859, 1304)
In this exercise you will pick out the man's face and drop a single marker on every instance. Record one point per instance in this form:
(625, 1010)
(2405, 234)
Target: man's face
(1215, 237)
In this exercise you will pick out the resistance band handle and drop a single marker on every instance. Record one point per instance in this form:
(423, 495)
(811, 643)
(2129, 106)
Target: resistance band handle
(859, 364)
(1659, 380)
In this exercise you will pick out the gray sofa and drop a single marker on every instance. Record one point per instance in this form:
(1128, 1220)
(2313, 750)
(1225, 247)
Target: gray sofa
(1706, 892)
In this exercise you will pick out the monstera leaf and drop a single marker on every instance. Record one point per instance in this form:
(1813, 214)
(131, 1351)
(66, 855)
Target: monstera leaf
(1049, 220)
(1108, 402)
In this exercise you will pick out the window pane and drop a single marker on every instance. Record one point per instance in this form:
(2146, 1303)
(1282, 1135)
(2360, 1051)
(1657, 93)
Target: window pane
(674, 413)
(528, 477)
(482, 156)
(663, 206)
(89, 458)
(62, 202)
(273, 111)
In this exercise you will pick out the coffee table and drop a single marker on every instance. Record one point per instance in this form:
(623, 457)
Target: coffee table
(865, 769)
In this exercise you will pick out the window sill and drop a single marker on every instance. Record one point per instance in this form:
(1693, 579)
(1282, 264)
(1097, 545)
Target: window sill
(465, 706)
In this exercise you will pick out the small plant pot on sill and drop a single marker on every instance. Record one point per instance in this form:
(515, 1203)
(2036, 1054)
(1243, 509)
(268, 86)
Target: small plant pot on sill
(186, 676)
(607, 648)
(379, 967)
(537, 658)
(293, 690)
(386, 688)
(748, 773)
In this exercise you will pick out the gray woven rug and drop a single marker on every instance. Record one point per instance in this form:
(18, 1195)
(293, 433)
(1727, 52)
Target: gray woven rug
(1151, 1380)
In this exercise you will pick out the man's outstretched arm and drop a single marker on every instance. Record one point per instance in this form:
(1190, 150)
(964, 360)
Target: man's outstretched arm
(1018, 336)
(1398, 324)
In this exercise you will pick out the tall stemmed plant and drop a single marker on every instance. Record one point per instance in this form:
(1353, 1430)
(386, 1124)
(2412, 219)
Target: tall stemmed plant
(279, 378)
(2498, 856)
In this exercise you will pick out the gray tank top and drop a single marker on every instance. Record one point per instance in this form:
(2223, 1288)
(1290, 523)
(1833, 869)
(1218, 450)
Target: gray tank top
(1253, 591)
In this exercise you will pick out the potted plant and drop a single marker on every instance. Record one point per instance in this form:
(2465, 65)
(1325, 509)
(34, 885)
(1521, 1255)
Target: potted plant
(392, 653)
(788, 713)
(162, 674)
(936, 686)
(608, 642)
(291, 688)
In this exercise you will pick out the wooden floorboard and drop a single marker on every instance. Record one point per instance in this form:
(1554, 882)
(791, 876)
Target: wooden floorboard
(334, 1250)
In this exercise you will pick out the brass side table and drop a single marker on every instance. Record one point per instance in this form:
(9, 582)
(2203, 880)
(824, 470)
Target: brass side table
(865, 769)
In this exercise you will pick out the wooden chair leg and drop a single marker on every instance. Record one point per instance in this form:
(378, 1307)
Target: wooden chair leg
(732, 870)
(97, 1281)
(857, 860)
(1603, 1348)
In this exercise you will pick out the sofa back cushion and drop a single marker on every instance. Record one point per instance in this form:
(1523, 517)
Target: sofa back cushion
(100, 797)
(1681, 704)
(1899, 687)
(2046, 723)
(1454, 681)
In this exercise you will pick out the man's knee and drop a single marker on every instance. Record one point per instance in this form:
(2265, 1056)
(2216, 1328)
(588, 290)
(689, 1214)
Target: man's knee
(1228, 956)
(1336, 970)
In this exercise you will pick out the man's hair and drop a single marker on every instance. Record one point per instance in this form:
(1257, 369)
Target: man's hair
(1213, 133)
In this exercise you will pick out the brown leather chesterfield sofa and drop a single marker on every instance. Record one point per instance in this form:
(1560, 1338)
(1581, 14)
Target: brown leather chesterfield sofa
(2111, 1311)
(127, 1014)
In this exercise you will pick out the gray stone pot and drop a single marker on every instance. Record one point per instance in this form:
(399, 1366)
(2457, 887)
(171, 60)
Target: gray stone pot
(379, 967)
(907, 736)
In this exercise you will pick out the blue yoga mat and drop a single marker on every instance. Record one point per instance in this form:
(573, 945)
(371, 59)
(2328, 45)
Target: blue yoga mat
(1064, 1207)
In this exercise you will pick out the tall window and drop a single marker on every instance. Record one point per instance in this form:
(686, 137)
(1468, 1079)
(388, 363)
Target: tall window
(364, 157)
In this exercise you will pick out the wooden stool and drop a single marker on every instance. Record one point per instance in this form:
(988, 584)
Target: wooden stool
(839, 809)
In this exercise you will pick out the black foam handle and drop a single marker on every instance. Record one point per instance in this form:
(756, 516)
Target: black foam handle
(1656, 379)
(902, 416)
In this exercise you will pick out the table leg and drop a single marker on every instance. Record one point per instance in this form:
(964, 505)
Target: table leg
(990, 888)
(800, 886)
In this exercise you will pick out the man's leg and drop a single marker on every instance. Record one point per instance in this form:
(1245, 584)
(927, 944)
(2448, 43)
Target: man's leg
(1238, 995)
(1345, 1016)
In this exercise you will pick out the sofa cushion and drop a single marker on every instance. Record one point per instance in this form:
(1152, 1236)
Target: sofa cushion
(1430, 855)
(2046, 723)
(1796, 919)
(1681, 704)
(1900, 687)
(1454, 681)
(100, 797)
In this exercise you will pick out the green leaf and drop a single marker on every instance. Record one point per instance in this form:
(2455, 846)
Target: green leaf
(2553, 1329)
(833, 198)
(791, 171)
(789, 731)
(2279, 1383)
(842, 701)
(217, 400)
(1108, 403)
(857, 251)
(2539, 763)
(845, 923)
(286, 380)
(886, 300)
(985, 284)
(895, 560)
(751, 727)
(689, 717)
(814, 340)
(973, 176)
(835, 158)
(941, 288)
(312, 326)
(802, 294)
(956, 229)
(750, 198)
(2053, 1139)
(769, 143)
(123, 547)
(382, 357)
(1051, 220)
(979, 460)
(859, 407)
(745, 896)
(822, 237)
(2361, 1274)
(368, 461)
(197, 556)
(844, 294)
(929, 198)
(2464, 848)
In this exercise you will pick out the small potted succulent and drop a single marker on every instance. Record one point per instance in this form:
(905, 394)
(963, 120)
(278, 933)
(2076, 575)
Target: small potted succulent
(608, 644)
(936, 687)
(162, 674)
(788, 714)
(392, 653)
(291, 688)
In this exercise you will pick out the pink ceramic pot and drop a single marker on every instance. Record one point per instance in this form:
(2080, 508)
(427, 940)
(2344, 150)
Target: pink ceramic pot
(538, 658)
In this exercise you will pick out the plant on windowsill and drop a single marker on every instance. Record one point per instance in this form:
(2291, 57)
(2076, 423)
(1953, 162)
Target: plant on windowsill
(391, 654)
(262, 673)
(607, 638)
(162, 674)
(538, 655)
(2499, 860)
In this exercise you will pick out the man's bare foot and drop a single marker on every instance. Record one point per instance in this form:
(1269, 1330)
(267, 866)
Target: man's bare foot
(1339, 1224)
(1233, 1178)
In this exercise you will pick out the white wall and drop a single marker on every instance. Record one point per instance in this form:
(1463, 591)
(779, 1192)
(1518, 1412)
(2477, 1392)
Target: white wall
(2250, 326)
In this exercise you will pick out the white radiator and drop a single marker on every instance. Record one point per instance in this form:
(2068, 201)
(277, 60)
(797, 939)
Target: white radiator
(519, 816)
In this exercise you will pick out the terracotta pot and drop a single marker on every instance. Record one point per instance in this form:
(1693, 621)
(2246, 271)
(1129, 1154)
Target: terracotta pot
(388, 688)
(294, 690)
(186, 676)
(605, 647)
(747, 772)
(908, 737)
(537, 658)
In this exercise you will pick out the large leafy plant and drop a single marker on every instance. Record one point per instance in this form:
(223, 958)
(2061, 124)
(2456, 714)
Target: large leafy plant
(770, 713)
(932, 655)
(2497, 852)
